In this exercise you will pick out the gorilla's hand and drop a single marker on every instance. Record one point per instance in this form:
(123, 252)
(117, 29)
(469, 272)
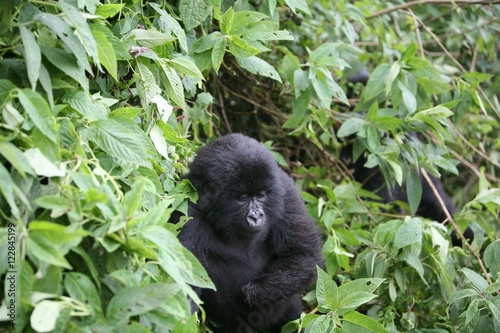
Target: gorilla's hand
(253, 292)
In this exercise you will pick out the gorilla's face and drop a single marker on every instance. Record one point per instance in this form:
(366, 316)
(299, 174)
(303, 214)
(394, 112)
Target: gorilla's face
(239, 187)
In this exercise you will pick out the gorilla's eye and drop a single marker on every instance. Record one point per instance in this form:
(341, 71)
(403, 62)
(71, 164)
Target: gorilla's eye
(242, 197)
(261, 195)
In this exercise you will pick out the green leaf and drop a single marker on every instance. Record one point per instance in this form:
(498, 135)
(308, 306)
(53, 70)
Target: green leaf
(150, 38)
(109, 10)
(491, 257)
(241, 49)
(16, 158)
(45, 250)
(44, 315)
(258, 66)
(82, 29)
(167, 23)
(66, 63)
(193, 12)
(298, 5)
(39, 112)
(117, 141)
(176, 260)
(264, 35)
(186, 66)
(414, 191)
(84, 104)
(80, 287)
(244, 20)
(8, 188)
(374, 87)
(32, 55)
(69, 38)
(133, 301)
(226, 21)
(350, 126)
(355, 322)
(326, 290)
(53, 202)
(133, 199)
(409, 233)
(477, 280)
(409, 100)
(173, 85)
(106, 53)
(218, 54)
(207, 42)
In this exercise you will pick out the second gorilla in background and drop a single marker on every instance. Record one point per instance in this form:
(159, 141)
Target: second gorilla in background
(252, 233)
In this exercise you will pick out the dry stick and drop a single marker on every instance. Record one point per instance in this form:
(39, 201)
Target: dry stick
(455, 226)
(434, 2)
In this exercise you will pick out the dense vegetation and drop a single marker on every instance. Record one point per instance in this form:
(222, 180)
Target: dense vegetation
(103, 104)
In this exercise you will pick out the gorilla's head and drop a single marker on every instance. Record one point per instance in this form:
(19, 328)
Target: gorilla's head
(239, 186)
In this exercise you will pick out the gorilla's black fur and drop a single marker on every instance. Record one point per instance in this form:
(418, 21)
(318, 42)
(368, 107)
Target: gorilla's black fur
(251, 231)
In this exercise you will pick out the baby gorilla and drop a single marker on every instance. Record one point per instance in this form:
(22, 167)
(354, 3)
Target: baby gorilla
(251, 231)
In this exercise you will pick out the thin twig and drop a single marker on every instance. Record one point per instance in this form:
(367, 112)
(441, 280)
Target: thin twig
(450, 220)
(434, 2)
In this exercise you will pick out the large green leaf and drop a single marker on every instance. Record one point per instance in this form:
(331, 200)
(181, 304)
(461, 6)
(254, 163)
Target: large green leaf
(39, 112)
(117, 141)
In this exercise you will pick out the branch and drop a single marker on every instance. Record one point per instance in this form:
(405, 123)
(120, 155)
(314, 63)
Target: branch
(434, 2)
(449, 218)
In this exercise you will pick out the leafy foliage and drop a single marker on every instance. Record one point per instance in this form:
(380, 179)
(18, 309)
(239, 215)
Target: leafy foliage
(103, 104)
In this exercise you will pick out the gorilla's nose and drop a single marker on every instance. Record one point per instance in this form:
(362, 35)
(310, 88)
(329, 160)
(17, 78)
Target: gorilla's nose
(255, 217)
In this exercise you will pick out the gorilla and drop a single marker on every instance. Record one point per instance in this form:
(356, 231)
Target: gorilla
(252, 233)
(373, 180)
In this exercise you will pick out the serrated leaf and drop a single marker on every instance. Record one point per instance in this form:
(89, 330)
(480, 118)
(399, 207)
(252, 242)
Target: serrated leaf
(492, 257)
(477, 280)
(32, 54)
(326, 290)
(408, 233)
(39, 112)
(264, 36)
(150, 38)
(206, 42)
(245, 20)
(82, 29)
(298, 5)
(176, 260)
(45, 250)
(132, 200)
(67, 64)
(132, 301)
(173, 85)
(69, 38)
(167, 23)
(360, 322)
(193, 12)
(240, 48)
(16, 158)
(106, 53)
(116, 140)
(409, 100)
(258, 66)
(186, 66)
(226, 21)
(109, 10)
(218, 54)
(350, 126)
(42, 165)
(374, 87)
